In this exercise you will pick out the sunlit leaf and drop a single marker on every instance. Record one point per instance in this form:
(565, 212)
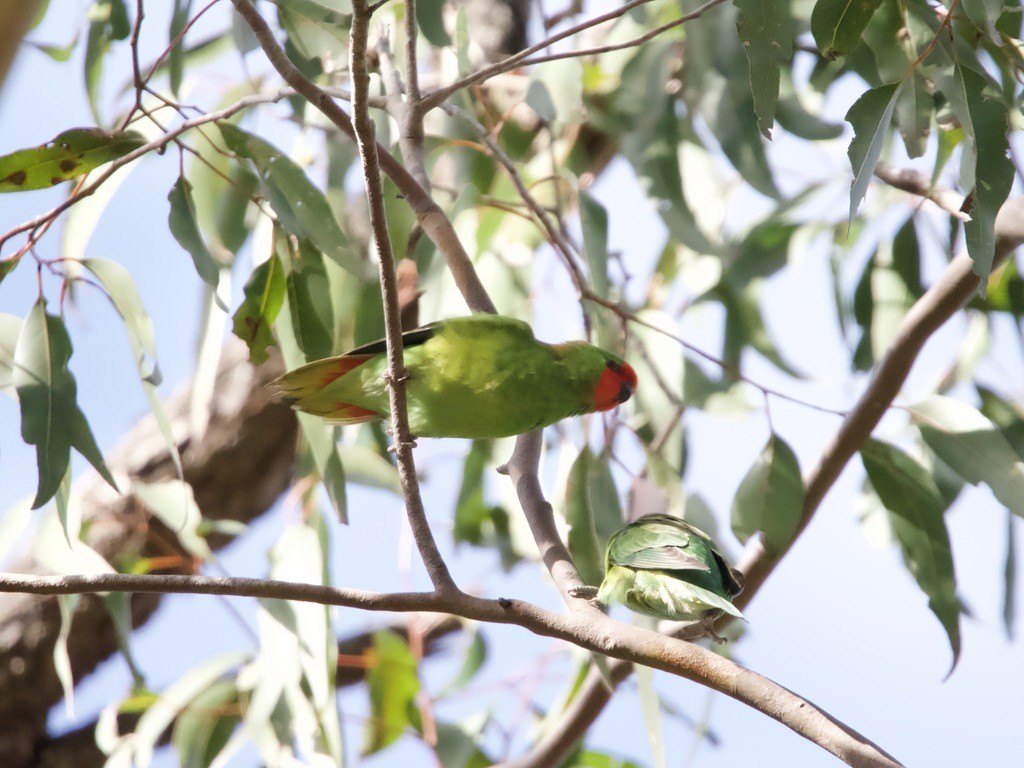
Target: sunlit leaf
(50, 417)
(118, 283)
(770, 498)
(67, 156)
(10, 330)
(870, 117)
(61, 659)
(916, 506)
(173, 503)
(300, 205)
(973, 447)
(393, 682)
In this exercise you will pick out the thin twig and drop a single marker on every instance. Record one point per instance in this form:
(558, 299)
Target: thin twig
(366, 140)
(429, 215)
(437, 97)
(624, 641)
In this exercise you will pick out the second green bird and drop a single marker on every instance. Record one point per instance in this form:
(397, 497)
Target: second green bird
(662, 566)
(481, 376)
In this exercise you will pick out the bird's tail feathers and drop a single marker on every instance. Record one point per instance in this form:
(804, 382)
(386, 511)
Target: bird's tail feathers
(310, 379)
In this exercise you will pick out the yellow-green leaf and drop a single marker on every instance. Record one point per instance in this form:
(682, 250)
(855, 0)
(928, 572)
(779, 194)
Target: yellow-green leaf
(67, 156)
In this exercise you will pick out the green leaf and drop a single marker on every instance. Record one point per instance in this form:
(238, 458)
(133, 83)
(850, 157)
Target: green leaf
(838, 24)
(992, 172)
(555, 91)
(430, 19)
(916, 506)
(119, 286)
(176, 53)
(61, 659)
(476, 656)
(973, 447)
(299, 204)
(264, 295)
(1010, 578)
(321, 438)
(583, 539)
(118, 283)
(10, 330)
(108, 21)
(770, 498)
(173, 503)
(478, 522)
(650, 709)
(649, 127)
(364, 466)
(766, 31)
(393, 682)
(161, 714)
(458, 745)
(205, 725)
(50, 417)
(183, 225)
(894, 52)
(309, 300)
(870, 117)
(594, 223)
(68, 155)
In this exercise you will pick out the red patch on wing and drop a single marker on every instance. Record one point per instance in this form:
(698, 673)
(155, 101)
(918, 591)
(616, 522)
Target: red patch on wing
(346, 413)
(615, 386)
(342, 366)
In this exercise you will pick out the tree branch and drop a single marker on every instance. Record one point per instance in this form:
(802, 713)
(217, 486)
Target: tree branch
(608, 637)
(397, 375)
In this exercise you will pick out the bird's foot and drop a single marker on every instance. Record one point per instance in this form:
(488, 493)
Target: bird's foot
(585, 592)
(410, 443)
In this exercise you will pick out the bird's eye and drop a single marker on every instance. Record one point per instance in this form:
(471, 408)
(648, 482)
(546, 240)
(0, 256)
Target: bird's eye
(613, 366)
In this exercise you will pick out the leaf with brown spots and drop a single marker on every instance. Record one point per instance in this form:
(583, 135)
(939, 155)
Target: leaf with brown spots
(71, 154)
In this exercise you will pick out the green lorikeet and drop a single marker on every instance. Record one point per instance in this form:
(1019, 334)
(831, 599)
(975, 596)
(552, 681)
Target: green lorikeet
(664, 567)
(480, 376)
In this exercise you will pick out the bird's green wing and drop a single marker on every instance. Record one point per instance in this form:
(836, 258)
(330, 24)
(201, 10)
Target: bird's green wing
(646, 546)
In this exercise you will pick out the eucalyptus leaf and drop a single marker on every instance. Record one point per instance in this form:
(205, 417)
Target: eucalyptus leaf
(393, 682)
(264, 296)
(973, 447)
(185, 228)
(68, 155)
(916, 513)
(770, 498)
(299, 204)
(50, 417)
